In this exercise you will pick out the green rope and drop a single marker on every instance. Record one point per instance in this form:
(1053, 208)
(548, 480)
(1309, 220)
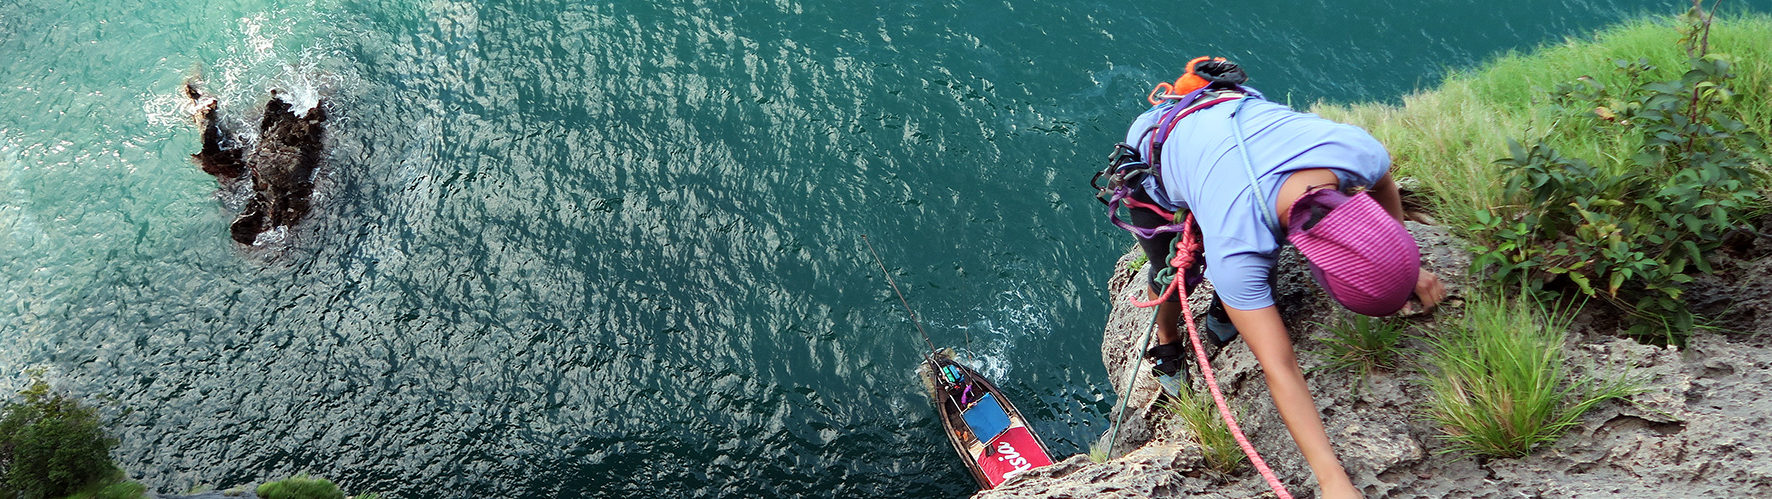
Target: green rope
(1131, 377)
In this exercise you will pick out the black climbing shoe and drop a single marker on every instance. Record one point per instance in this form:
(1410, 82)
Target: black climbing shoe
(1219, 328)
(1170, 370)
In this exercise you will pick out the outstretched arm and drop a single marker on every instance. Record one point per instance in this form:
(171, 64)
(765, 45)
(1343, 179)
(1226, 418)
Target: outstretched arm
(1389, 196)
(1428, 288)
(1266, 335)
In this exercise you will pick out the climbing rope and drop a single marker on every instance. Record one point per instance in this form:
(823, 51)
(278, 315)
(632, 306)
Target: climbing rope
(1185, 246)
(1131, 377)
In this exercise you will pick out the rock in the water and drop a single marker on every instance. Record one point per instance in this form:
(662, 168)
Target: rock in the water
(224, 163)
(281, 164)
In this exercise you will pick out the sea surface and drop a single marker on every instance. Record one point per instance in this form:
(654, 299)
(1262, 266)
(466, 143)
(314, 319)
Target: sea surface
(614, 249)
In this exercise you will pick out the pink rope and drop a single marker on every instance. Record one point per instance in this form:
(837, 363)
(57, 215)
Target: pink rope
(1135, 203)
(1185, 246)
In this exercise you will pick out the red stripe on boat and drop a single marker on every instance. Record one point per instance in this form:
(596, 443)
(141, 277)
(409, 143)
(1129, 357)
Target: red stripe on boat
(1014, 450)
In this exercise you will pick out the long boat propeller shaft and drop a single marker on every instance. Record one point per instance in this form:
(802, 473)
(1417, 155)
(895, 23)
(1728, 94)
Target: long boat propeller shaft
(901, 300)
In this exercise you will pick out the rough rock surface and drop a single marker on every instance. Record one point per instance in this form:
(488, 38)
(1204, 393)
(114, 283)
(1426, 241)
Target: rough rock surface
(280, 165)
(1693, 432)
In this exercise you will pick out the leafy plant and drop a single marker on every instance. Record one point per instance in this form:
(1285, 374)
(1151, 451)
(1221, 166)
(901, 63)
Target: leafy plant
(1498, 387)
(1138, 263)
(51, 445)
(1362, 344)
(1682, 171)
(1199, 415)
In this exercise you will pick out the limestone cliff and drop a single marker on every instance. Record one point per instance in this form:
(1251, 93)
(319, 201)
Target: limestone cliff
(1694, 431)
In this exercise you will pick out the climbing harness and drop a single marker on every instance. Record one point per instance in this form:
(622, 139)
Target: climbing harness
(1126, 173)
(1207, 82)
(1127, 170)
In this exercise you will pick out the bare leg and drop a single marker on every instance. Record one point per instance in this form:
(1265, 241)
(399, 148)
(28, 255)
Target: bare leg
(1168, 320)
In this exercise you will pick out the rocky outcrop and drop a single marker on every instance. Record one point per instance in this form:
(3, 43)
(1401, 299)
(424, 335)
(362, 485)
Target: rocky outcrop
(1692, 432)
(280, 166)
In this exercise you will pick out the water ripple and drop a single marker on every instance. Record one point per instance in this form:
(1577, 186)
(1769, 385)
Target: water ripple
(610, 249)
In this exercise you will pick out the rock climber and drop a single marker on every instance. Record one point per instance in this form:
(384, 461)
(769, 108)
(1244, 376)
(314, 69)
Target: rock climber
(1255, 175)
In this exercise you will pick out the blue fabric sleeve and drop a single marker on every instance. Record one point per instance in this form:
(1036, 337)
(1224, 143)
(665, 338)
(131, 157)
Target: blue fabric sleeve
(1367, 160)
(1240, 278)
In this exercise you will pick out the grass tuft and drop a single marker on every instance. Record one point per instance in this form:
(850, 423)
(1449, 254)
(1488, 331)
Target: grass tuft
(1199, 415)
(300, 486)
(1098, 452)
(1499, 388)
(1361, 344)
(117, 489)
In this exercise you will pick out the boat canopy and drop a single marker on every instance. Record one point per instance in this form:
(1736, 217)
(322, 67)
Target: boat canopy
(987, 418)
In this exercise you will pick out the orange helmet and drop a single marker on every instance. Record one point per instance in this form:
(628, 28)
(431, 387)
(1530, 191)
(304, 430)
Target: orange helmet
(1201, 72)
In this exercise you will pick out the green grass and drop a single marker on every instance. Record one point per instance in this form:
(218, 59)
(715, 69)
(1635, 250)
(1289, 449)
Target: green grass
(116, 489)
(300, 486)
(1361, 344)
(1098, 452)
(1199, 416)
(1449, 137)
(1498, 384)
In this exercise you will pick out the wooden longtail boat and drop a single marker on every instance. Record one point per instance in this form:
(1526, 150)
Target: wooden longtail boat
(991, 436)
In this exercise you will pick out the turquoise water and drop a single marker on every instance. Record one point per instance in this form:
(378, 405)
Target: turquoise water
(614, 249)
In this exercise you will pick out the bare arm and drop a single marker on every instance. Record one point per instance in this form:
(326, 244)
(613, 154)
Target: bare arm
(1428, 288)
(1389, 196)
(1266, 336)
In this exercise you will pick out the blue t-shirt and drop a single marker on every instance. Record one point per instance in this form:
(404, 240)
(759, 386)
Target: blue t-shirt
(1202, 170)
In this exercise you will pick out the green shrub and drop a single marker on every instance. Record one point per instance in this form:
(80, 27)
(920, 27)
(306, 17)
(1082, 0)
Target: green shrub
(1199, 415)
(1498, 386)
(300, 486)
(1680, 172)
(51, 445)
(1362, 344)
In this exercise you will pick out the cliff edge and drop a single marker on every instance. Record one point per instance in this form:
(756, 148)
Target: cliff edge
(1692, 431)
